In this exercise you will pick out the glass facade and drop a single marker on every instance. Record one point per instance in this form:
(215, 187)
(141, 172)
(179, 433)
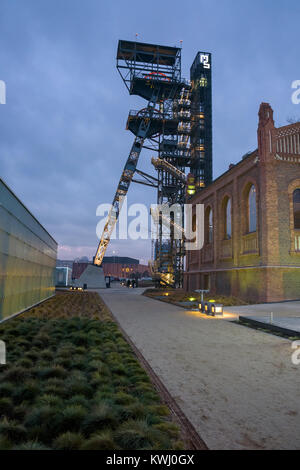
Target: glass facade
(27, 256)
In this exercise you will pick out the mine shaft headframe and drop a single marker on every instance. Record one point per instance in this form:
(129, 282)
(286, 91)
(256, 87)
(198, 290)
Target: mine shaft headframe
(149, 62)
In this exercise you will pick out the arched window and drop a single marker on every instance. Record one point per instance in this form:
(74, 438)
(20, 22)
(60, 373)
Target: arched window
(251, 210)
(227, 218)
(208, 225)
(296, 208)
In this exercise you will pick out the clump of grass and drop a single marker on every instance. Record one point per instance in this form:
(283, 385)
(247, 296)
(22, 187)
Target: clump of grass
(6, 389)
(16, 374)
(102, 415)
(47, 354)
(5, 444)
(54, 371)
(25, 362)
(6, 407)
(133, 411)
(99, 441)
(41, 340)
(12, 431)
(160, 410)
(19, 412)
(138, 435)
(31, 445)
(26, 391)
(122, 398)
(79, 400)
(78, 386)
(49, 400)
(169, 428)
(68, 441)
(53, 389)
(71, 417)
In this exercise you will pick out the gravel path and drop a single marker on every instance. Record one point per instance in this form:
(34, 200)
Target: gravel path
(236, 385)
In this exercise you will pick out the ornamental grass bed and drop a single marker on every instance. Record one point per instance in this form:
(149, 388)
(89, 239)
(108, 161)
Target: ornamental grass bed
(180, 295)
(72, 382)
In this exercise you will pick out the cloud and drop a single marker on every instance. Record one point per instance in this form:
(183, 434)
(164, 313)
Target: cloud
(63, 141)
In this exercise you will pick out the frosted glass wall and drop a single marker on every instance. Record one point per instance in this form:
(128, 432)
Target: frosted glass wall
(27, 256)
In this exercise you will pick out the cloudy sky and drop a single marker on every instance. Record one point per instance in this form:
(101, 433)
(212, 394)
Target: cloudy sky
(63, 141)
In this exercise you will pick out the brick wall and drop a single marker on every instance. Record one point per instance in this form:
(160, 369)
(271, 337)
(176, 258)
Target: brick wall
(263, 265)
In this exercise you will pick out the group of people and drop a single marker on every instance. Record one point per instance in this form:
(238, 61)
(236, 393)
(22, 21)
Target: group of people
(132, 283)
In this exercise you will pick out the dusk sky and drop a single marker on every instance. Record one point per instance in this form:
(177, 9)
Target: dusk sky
(63, 142)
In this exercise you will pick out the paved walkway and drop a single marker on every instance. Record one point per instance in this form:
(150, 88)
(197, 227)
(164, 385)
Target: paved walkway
(237, 386)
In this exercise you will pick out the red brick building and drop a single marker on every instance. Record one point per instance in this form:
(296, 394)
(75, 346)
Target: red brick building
(252, 221)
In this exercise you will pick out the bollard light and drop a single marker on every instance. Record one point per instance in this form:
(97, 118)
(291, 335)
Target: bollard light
(216, 309)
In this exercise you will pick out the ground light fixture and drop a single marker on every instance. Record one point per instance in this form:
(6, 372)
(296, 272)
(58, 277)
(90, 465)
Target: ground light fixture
(216, 309)
(210, 307)
(207, 307)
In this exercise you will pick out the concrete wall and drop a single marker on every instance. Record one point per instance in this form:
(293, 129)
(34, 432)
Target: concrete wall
(27, 256)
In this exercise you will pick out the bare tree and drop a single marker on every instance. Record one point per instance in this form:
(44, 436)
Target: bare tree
(293, 119)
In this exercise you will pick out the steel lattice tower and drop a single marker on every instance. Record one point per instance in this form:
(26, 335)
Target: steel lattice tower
(176, 124)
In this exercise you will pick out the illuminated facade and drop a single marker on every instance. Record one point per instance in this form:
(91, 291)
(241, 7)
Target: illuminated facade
(252, 221)
(27, 256)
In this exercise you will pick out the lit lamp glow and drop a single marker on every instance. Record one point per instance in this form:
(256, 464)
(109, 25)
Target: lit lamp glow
(191, 187)
(216, 309)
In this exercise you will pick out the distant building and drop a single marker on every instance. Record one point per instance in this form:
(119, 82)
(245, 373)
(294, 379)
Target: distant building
(116, 266)
(27, 256)
(60, 263)
(252, 221)
(63, 276)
